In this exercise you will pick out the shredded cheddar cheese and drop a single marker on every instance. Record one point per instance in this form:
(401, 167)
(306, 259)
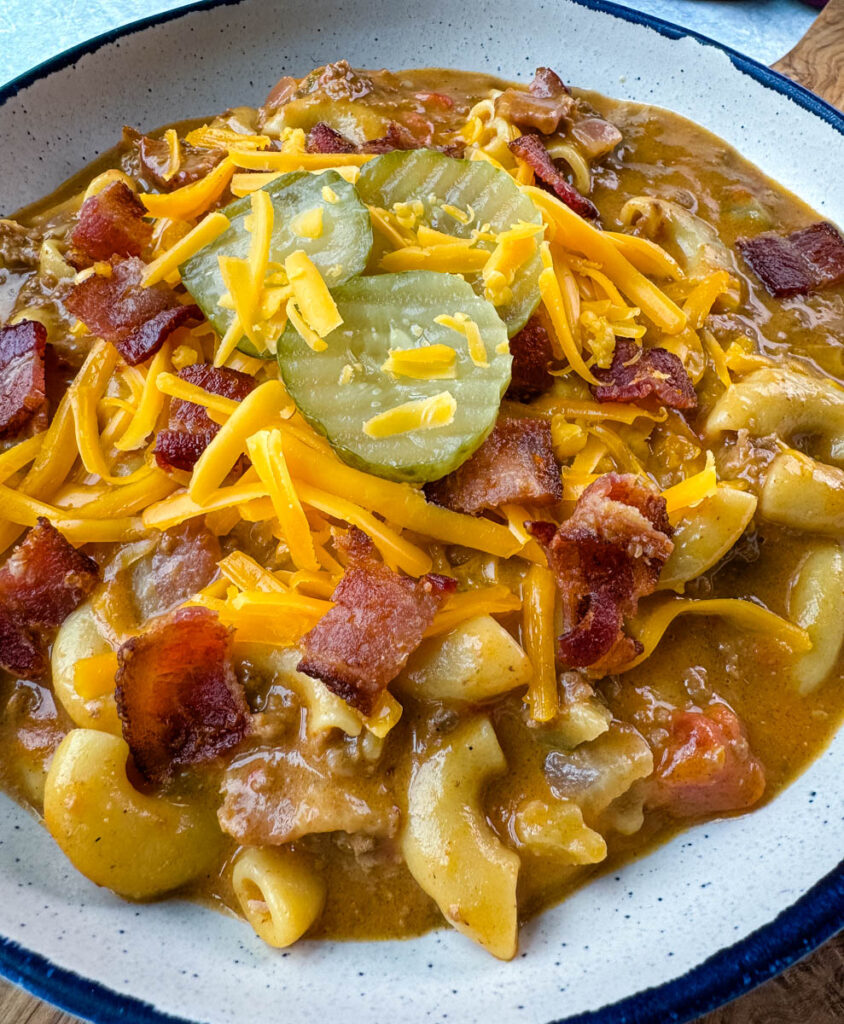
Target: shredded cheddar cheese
(693, 489)
(311, 296)
(428, 362)
(267, 457)
(209, 228)
(308, 224)
(259, 408)
(420, 414)
(295, 161)
(539, 595)
(463, 325)
(93, 677)
(218, 407)
(191, 200)
(455, 257)
(150, 404)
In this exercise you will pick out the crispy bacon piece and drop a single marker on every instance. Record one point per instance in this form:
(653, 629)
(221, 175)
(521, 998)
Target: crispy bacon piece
(636, 374)
(111, 223)
(41, 583)
(135, 319)
(190, 429)
(706, 765)
(532, 352)
(531, 149)
(804, 261)
(322, 138)
(23, 397)
(397, 137)
(154, 160)
(515, 464)
(542, 106)
(378, 621)
(177, 695)
(606, 556)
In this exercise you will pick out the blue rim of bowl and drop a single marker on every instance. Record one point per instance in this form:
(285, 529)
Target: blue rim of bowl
(735, 970)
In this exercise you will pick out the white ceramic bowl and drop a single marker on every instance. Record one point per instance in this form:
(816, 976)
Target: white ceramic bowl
(717, 910)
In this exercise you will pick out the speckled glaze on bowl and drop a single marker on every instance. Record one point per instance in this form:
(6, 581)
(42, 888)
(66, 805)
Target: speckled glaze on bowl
(720, 908)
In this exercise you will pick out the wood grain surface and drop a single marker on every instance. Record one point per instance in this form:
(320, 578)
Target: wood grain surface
(817, 61)
(812, 991)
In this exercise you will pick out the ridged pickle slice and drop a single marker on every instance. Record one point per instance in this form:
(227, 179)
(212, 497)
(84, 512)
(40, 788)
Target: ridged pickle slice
(339, 251)
(415, 347)
(450, 191)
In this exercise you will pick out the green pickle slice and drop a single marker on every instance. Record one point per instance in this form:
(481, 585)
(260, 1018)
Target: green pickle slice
(342, 388)
(340, 252)
(439, 181)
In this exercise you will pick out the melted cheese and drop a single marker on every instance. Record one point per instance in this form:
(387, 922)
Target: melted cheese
(420, 414)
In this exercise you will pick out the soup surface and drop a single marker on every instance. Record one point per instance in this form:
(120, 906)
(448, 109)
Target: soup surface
(420, 493)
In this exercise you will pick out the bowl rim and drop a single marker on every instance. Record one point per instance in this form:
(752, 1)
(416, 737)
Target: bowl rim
(733, 971)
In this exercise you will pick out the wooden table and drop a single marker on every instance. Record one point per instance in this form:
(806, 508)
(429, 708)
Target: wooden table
(812, 991)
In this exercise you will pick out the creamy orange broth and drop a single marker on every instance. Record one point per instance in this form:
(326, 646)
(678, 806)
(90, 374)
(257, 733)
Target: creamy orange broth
(370, 893)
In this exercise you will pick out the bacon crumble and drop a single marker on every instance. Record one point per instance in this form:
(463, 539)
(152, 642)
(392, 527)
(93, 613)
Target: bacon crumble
(189, 428)
(515, 464)
(605, 557)
(804, 261)
(706, 765)
(23, 396)
(111, 223)
(532, 352)
(135, 319)
(542, 106)
(322, 138)
(154, 158)
(636, 374)
(42, 581)
(532, 151)
(177, 695)
(378, 621)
